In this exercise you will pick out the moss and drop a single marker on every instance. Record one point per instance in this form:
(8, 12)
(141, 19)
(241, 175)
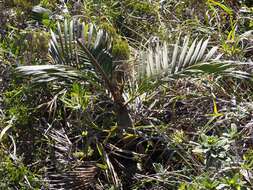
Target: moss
(40, 40)
(36, 45)
(108, 28)
(121, 49)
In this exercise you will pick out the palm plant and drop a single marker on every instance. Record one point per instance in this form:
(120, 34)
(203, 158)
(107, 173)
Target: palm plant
(82, 52)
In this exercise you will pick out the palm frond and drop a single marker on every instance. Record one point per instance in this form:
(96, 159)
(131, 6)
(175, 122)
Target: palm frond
(47, 73)
(65, 50)
(70, 61)
(65, 172)
(62, 145)
(188, 59)
(159, 60)
(78, 177)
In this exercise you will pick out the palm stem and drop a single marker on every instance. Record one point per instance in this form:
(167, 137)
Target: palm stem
(123, 117)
